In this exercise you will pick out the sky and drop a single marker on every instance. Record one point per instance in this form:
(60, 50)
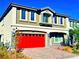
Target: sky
(67, 7)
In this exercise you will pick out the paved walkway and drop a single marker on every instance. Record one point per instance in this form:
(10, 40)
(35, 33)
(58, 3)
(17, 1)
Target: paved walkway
(47, 53)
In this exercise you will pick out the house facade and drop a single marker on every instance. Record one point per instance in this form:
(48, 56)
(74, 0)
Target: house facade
(32, 27)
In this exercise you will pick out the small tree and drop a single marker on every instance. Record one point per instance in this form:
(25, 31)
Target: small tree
(75, 32)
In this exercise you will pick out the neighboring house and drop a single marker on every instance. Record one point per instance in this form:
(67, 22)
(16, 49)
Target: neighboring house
(73, 25)
(33, 27)
(78, 24)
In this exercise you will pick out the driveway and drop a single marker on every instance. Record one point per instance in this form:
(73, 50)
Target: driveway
(47, 53)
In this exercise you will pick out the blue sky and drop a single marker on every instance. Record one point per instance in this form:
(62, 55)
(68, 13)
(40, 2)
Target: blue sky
(67, 7)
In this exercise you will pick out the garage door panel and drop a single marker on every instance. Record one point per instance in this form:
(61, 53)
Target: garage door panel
(31, 41)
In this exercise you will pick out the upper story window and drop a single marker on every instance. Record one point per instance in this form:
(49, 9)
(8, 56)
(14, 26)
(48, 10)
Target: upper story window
(45, 17)
(71, 24)
(75, 24)
(55, 19)
(23, 14)
(61, 20)
(32, 16)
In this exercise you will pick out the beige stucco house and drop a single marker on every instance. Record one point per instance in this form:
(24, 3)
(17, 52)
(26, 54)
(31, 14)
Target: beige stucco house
(33, 27)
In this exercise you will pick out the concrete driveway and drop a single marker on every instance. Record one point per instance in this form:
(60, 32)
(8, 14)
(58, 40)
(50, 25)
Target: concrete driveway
(47, 53)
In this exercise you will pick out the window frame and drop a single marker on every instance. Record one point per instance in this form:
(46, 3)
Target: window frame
(71, 24)
(21, 15)
(43, 20)
(34, 16)
(55, 18)
(61, 18)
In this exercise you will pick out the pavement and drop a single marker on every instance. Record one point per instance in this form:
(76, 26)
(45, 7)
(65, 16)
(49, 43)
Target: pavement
(77, 57)
(48, 53)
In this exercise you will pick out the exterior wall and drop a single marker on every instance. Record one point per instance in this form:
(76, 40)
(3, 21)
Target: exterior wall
(39, 20)
(27, 22)
(34, 28)
(5, 26)
(62, 27)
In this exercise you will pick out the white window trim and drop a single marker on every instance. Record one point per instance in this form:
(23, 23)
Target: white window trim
(48, 18)
(58, 23)
(54, 21)
(34, 17)
(62, 21)
(42, 19)
(42, 16)
(25, 15)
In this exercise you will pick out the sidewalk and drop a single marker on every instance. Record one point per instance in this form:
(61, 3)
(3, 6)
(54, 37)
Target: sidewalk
(77, 57)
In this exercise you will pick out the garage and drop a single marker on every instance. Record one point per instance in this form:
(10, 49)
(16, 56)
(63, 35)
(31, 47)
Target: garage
(28, 40)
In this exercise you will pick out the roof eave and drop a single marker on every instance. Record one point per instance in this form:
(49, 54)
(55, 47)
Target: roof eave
(47, 8)
(25, 7)
(5, 12)
(61, 15)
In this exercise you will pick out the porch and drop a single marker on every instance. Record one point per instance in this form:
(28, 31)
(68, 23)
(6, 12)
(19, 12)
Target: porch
(57, 38)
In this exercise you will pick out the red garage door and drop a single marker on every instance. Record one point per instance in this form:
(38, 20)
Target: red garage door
(30, 40)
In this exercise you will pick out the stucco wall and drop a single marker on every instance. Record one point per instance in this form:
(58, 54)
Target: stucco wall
(27, 22)
(5, 26)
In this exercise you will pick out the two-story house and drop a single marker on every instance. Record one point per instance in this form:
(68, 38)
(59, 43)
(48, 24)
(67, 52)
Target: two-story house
(32, 27)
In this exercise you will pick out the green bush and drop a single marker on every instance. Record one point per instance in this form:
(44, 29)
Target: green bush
(75, 51)
(77, 45)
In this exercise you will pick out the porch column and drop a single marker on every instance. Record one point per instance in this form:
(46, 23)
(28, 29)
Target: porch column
(47, 40)
(65, 38)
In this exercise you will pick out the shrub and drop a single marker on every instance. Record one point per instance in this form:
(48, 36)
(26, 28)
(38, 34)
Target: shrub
(68, 49)
(77, 45)
(4, 53)
(19, 55)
